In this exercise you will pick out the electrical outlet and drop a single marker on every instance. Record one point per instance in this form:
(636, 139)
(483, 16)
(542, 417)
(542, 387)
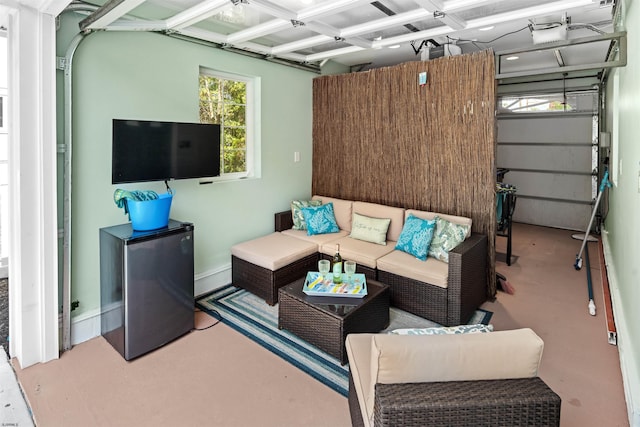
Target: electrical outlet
(296, 156)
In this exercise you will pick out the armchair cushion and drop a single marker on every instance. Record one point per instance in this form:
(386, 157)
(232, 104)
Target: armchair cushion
(391, 359)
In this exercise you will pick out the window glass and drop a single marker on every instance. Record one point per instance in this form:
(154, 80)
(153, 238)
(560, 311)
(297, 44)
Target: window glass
(226, 99)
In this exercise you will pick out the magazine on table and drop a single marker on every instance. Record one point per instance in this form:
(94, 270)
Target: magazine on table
(353, 286)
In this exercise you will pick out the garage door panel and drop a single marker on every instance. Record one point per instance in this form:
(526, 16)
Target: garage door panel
(552, 214)
(553, 158)
(555, 186)
(546, 129)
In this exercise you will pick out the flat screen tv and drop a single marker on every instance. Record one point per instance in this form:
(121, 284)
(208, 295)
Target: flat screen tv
(160, 151)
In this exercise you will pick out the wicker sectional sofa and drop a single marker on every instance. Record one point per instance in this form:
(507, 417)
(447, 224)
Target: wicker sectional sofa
(446, 293)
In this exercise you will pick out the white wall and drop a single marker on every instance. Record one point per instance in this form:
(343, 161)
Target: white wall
(622, 224)
(154, 77)
(4, 161)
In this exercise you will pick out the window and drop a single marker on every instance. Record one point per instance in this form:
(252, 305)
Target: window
(576, 101)
(231, 101)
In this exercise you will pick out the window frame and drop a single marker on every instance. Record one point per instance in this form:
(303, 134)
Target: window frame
(252, 123)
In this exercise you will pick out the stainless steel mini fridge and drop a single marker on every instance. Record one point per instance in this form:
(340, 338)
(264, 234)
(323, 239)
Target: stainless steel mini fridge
(146, 286)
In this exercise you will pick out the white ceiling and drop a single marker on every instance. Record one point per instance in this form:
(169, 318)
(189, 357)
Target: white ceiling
(365, 34)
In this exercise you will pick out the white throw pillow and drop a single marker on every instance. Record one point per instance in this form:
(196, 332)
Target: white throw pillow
(370, 229)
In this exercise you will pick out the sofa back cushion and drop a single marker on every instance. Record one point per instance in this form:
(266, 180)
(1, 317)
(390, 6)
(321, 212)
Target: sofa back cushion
(342, 210)
(374, 210)
(429, 358)
(430, 215)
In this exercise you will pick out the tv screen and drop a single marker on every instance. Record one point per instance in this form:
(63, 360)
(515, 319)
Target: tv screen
(158, 151)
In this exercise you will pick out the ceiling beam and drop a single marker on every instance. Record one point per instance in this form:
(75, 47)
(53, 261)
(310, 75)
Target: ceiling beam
(436, 7)
(529, 12)
(197, 13)
(387, 22)
(108, 13)
(350, 33)
(328, 8)
(273, 9)
(259, 30)
(301, 44)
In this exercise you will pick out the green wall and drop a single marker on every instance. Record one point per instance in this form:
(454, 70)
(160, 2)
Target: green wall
(155, 77)
(622, 223)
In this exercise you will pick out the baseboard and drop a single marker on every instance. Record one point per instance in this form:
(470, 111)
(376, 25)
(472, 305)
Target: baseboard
(87, 325)
(627, 359)
(212, 279)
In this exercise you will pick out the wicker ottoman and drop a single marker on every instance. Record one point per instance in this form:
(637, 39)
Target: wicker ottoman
(263, 265)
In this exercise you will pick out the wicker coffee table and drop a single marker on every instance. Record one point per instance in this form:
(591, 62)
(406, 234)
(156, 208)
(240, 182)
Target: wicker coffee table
(326, 321)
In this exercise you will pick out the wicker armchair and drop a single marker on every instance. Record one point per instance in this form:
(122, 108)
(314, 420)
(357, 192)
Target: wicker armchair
(442, 386)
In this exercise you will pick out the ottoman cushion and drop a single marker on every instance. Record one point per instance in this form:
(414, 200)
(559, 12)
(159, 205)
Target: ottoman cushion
(273, 251)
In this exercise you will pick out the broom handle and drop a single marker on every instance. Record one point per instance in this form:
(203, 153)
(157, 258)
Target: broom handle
(605, 183)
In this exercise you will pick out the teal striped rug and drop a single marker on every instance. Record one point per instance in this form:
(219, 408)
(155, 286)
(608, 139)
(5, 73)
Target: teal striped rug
(257, 320)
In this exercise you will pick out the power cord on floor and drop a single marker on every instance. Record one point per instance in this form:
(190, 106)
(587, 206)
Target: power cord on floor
(212, 313)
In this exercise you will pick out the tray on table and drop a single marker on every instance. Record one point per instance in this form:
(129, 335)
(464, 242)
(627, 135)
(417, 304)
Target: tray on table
(317, 285)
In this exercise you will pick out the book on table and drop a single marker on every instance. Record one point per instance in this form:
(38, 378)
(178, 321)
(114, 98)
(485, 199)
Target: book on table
(353, 286)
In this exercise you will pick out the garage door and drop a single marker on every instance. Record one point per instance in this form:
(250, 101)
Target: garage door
(549, 145)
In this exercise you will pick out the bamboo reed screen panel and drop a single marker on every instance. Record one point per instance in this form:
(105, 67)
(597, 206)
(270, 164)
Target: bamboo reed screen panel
(380, 137)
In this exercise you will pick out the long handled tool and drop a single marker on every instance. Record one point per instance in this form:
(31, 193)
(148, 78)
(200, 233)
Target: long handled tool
(605, 183)
(578, 264)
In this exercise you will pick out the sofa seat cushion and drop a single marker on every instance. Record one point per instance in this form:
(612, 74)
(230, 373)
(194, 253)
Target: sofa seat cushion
(274, 250)
(342, 209)
(432, 271)
(317, 239)
(374, 210)
(363, 253)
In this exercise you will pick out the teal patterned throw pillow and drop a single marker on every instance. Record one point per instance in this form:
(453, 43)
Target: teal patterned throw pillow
(445, 330)
(447, 236)
(320, 219)
(296, 212)
(416, 236)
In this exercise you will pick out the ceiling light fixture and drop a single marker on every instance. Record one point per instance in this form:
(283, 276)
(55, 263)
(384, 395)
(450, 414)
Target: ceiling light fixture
(394, 46)
(512, 58)
(490, 27)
